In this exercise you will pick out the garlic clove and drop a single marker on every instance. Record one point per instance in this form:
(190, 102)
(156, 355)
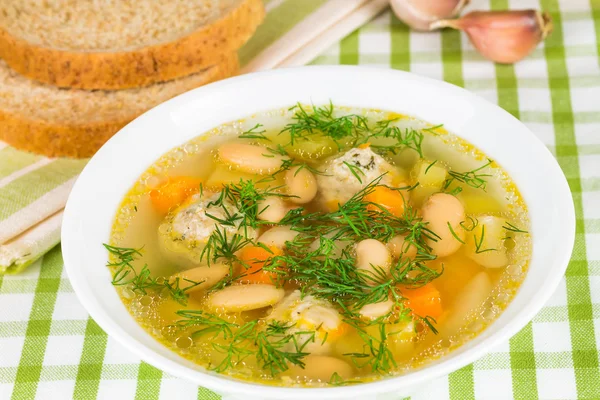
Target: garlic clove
(502, 36)
(419, 14)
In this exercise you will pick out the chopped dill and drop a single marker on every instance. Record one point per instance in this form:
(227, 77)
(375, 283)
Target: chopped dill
(512, 228)
(350, 130)
(429, 166)
(454, 233)
(432, 128)
(337, 380)
(125, 274)
(254, 133)
(355, 170)
(472, 224)
(471, 178)
(479, 242)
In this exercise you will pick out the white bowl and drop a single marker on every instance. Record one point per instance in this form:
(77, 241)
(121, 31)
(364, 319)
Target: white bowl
(112, 171)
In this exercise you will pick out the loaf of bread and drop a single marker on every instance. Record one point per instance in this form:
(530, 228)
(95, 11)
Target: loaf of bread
(117, 44)
(75, 123)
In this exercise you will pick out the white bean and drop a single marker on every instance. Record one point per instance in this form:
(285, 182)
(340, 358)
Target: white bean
(208, 276)
(400, 248)
(320, 369)
(277, 236)
(301, 184)
(374, 257)
(338, 245)
(440, 211)
(472, 296)
(376, 310)
(485, 243)
(250, 158)
(246, 297)
(272, 209)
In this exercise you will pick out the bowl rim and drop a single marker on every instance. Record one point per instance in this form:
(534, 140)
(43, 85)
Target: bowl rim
(224, 384)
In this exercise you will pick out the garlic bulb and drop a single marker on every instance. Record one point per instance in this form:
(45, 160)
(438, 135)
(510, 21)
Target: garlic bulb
(502, 36)
(419, 14)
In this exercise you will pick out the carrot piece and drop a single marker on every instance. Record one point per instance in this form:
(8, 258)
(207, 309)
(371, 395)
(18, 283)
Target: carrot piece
(424, 301)
(257, 257)
(173, 193)
(390, 199)
(341, 330)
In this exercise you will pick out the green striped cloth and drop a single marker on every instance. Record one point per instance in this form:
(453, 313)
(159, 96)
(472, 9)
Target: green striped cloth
(50, 348)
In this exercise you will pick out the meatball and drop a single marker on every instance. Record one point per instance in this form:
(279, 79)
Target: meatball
(185, 232)
(340, 179)
(309, 314)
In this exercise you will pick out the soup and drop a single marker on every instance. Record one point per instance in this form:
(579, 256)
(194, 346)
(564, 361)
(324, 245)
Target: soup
(319, 246)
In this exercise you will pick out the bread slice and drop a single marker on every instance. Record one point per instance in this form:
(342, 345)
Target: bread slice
(75, 123)
(117, 44)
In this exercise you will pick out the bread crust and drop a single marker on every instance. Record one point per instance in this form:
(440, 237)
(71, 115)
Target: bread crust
(80, 140)
(145, 66)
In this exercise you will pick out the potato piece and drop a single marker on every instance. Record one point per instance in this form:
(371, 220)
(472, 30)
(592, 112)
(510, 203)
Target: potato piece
(315, 147)
(458, 271)
(207, 275)
(420, 194)
(478, 202)
(406, 158)
(485, 243)
(223, 175)
(245, 297)
(468, 300)
(320, 369)
(429, 174)
(430, 179)
(399, 337)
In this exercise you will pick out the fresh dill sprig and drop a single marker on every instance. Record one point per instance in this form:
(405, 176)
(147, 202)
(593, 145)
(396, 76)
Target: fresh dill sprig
(350, 130)
(473, 223)
(429, 166)
(337, 380)
(240, 346)
(245, 197)
(512, 228)
(125, 274)
(355, 170)
(454, 233)
(479, 242)
(273, 347)
(254, 133)
(401, 139)
(471, 178)
(432, 128)
(210, 323)
(221, 245)
(320, 120)
(376, 353)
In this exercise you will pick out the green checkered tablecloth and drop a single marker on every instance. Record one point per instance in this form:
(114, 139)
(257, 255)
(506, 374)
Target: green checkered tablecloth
(51, 349)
